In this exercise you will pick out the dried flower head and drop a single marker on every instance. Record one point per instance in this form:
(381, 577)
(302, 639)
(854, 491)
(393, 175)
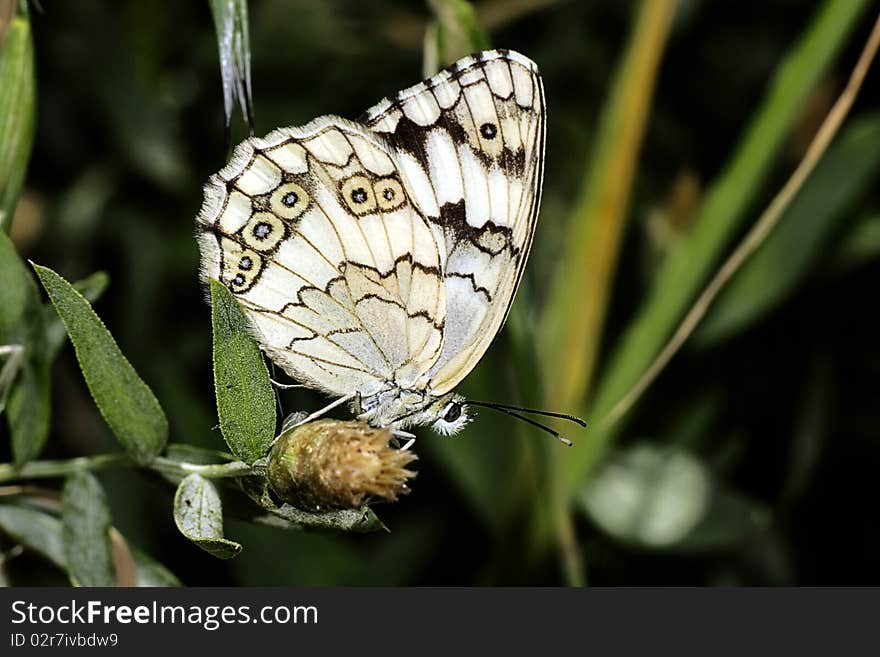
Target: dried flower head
(337, 464)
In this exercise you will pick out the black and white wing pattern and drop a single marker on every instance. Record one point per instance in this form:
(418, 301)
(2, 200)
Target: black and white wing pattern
(385, 253)
(470, 141)
(312, 230)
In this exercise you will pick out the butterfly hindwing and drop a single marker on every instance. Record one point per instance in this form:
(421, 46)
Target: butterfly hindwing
(471, 142)
(313, 231)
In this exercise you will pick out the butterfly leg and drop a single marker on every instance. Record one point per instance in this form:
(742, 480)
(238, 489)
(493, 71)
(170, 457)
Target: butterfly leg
(285, 386)
(313, 416)
(399, 433)
(323, 411)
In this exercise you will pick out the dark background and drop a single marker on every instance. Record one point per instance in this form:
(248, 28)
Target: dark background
(783, 414)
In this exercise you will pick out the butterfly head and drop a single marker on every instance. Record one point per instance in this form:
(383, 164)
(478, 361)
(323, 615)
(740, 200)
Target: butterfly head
(406, 408)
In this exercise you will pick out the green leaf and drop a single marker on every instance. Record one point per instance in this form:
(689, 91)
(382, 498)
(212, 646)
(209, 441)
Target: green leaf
(34, 530)
(17, 112)
(91, 287)
(42, 533)
(22, 323)
(198, 513)
(725, 209)
(85, 520)
(151, 572)
(28, 406)
(17, 291)
(663, 498)
(245, 399)
(847, 171)
(126, 402)
(453, 34)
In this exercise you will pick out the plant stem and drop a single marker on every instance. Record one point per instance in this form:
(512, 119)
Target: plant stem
(569, 550)
(213, 471)
(46, 469)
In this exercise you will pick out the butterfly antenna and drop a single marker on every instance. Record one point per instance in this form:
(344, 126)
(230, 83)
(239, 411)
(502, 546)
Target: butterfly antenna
(534, 423)
(564, 416)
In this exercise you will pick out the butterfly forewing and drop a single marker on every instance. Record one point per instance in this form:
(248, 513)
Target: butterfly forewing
(387, 251)
(470, 141)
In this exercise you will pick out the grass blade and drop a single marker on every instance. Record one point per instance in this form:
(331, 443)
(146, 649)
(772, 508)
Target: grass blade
(245, 399)
(844, 175)
(724, 210)
(233, 41)
(126, 402)
(571, 332)
(453, 34)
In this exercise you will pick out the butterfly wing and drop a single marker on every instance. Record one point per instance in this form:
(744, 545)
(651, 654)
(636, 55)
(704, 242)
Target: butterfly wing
(470, 144)
(313, 230)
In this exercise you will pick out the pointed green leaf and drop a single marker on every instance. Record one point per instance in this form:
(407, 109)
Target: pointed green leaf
(85, 521)
(245, 399)
(17, 112)
(198, 513)
(91, 287)
(126, 402)
(34, 530)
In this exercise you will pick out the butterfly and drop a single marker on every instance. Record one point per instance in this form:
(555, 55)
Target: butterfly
(376, 260)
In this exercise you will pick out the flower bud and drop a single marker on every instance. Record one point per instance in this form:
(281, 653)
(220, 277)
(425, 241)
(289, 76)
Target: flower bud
(336, 464)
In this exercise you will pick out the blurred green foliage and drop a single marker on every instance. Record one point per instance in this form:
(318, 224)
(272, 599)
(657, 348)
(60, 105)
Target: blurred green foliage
(750, 461)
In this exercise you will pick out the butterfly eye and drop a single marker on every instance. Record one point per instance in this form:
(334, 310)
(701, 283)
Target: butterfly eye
(451, 418)
(452, 412)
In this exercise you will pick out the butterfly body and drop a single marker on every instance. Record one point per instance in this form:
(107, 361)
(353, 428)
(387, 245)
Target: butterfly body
(376, 260)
